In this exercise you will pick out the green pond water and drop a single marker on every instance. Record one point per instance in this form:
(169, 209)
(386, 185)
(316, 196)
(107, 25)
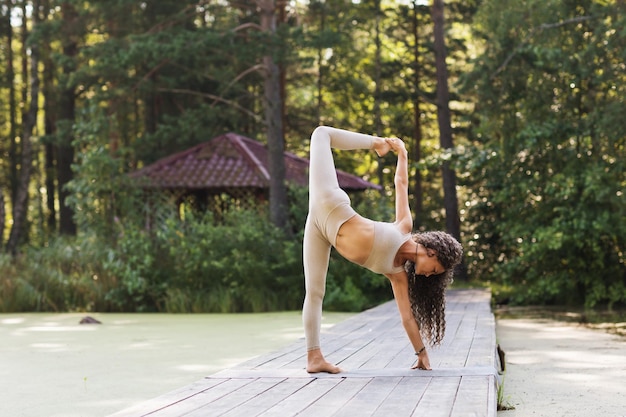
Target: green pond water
(52, 366)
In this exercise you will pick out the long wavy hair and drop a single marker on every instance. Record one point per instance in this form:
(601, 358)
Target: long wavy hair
(427, 294)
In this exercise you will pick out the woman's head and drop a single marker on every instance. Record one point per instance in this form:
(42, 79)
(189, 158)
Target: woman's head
(427, 290)
(446, 248)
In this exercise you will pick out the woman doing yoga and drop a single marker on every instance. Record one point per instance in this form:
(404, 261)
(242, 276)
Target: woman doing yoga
(419, 266)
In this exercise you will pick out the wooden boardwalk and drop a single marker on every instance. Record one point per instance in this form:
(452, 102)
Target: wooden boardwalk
(375, 353)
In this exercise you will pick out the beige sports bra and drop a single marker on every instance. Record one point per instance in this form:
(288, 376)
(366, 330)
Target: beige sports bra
(387, 242)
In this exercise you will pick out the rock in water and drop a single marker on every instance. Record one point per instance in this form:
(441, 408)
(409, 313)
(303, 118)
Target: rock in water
(89, 320)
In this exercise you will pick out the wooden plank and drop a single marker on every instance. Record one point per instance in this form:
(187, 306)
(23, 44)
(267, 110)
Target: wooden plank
(336, 398)
(368, 400)
(390, 348)
(404, 398)
(277, 359)
(254, 373)
(270, 398)
(361, 356)
(405, 358)
(471, 398)
(482, 351)
(236, 399)
(439, 397)
(201, 399)
(169, 399)
(456, 353)
(302, 399)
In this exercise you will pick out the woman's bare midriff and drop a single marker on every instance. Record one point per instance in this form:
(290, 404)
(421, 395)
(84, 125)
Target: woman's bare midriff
(355, 239)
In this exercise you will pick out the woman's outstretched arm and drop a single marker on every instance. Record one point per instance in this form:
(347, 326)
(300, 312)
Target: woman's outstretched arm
(400, 287)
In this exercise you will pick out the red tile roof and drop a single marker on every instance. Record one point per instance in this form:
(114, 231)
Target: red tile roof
(230, 161)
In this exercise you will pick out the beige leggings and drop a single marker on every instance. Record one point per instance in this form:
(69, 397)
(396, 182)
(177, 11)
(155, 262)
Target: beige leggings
(329, 208)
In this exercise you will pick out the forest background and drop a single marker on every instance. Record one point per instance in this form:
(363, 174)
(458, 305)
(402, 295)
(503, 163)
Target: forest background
(512, 110)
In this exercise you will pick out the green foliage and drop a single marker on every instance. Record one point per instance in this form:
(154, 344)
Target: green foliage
(65, 276)
(546, 171)
(242, 264)
(247, 258)
(101, 190)
(169, 78)
(132, 265)
(350, 287)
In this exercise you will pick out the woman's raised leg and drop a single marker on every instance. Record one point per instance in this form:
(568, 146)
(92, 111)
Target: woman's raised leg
(324, 195)
(322, 174)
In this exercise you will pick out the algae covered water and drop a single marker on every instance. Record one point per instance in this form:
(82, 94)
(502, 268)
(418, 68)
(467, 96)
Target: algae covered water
(50, 365)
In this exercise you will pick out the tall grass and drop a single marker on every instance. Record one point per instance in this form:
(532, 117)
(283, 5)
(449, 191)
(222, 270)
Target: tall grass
(63, 276)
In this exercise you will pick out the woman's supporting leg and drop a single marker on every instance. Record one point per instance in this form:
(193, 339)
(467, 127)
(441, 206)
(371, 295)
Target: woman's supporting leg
(316, 253)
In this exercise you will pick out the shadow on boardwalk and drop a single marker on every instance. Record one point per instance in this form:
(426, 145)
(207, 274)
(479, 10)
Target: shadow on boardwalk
(375, 352)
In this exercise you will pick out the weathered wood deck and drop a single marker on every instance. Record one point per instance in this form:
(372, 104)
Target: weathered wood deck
(375, 352)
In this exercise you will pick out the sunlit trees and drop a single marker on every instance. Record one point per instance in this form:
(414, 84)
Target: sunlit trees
(548, 160)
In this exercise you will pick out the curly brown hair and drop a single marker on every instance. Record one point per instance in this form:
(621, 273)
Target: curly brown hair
(427, 294)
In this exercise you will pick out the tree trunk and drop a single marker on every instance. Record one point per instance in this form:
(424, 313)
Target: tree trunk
(377, 114)
(66, 118)
(49, 128)
(282, 18)
(3, 217)
(20, 208)
(320, 65)
(418, 205)
(273, 121)
(10, 79)
(453, 224)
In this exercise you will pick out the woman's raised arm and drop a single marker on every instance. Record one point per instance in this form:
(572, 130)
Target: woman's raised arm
(401, 181)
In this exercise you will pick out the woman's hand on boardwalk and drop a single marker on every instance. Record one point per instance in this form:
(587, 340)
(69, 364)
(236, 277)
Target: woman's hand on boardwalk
(422, 362)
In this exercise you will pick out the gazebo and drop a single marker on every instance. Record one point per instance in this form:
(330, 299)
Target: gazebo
(228, 170)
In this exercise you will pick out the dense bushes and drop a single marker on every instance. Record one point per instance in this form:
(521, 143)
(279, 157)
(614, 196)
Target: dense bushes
(241, 264)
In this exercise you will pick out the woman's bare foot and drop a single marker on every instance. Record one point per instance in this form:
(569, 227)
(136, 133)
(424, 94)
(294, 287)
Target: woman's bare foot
(381, 147)
(316, 363)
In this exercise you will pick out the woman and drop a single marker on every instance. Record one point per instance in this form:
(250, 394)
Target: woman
(384, 248)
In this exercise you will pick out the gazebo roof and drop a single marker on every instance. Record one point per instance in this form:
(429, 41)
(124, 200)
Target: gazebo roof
(230, 161)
